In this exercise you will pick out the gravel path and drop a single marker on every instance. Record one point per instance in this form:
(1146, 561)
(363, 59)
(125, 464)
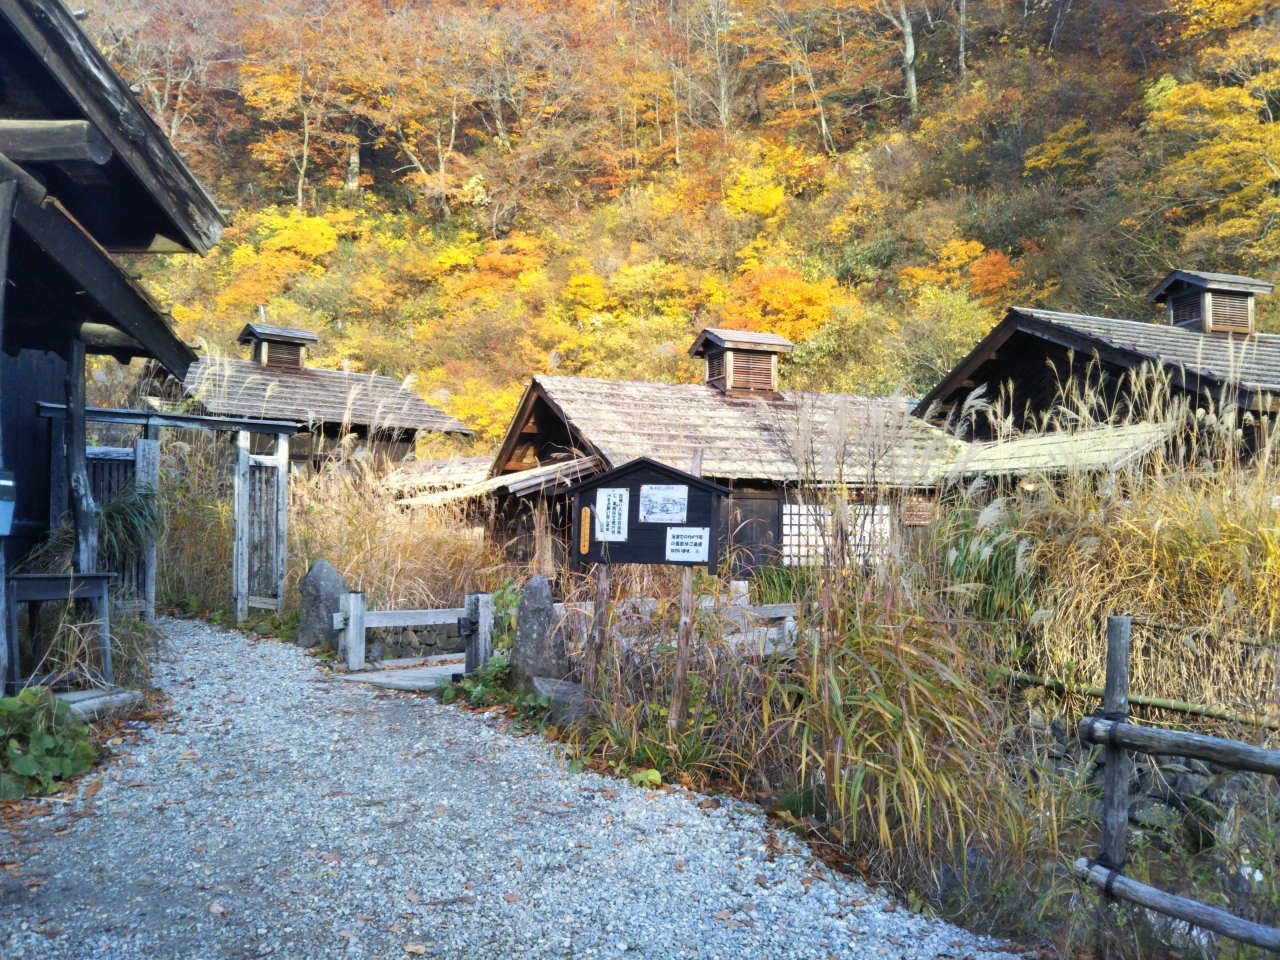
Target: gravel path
(286, 815)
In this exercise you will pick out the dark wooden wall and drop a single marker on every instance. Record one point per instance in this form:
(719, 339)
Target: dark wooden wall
(30, 377)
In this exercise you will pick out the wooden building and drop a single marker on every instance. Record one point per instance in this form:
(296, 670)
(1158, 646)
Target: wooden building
(1206, 344)
(382, 414)
(84, 173)
(777, 451)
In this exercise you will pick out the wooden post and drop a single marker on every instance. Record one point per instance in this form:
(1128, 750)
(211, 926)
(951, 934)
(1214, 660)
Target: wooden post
(8, 670)
(282, 517)
(84, 515)
(684, 634)
(240, 524)
(599, 631)
(146, 478)
(1115, 802)
(479, 607)
(355, 632)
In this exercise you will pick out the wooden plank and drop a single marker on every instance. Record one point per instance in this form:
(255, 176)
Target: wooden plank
(355, 629)
(1227, 753)
(109, 453)
(240, 528)
(146, 477)
(413, 618)
(83, 513)
(181, 421)
(282, 517)
(263, 603)
(1190, 911)
(53, 141)
(484, 628)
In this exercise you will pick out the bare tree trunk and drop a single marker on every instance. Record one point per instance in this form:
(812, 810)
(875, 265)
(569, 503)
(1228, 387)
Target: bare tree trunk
(909, 55)
(963, 10)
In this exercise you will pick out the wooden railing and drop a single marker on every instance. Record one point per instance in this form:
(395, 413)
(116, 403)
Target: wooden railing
(475, 624)
(1112, 730)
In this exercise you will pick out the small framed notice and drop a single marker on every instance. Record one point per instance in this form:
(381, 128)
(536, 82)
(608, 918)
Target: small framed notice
(612, 506)
(664, 503)
(688, 544)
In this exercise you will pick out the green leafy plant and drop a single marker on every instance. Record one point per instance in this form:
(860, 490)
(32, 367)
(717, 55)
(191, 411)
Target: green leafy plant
(44, 744)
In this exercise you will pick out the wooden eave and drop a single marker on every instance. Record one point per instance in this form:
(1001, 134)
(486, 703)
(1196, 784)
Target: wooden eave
(92, 288)
(511, 440)
(144, 154)
(951, 388)
(647, 463)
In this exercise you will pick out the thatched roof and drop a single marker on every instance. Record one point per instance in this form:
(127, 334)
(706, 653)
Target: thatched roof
(795, 437)
(417, 476)
(242, 388)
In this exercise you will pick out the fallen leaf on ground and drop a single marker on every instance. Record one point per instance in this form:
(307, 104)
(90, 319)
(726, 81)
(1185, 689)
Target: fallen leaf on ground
(187, 756)
(443, 903)
(92, 789)
(680, 865)
(330, 857)
(395, 928)
(32, 883)
(346, 934)
(136, 783)
(895, 941)
(607, 794)
(711, 803)
(440, 809)
(415, 948)
(890, 907)
(411, 896)
(805, 881)
(512, 898)
(723, 914)
(363, 916)
(217, 909)
(762, 880)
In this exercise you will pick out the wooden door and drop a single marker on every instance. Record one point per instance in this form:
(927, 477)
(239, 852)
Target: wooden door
(753, 529)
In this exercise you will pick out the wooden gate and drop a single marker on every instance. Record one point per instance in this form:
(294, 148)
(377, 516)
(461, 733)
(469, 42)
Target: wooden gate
(259, 552)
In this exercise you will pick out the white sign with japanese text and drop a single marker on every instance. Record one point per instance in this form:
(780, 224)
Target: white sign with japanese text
(688, 544)
(612, 506)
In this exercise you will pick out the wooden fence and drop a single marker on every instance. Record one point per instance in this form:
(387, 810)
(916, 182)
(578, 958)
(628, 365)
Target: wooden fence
(261, 509)
(1112, 730)
(475, 623)
(111, 471)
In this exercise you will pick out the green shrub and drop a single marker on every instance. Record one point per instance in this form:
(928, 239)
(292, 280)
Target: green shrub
(44, 744)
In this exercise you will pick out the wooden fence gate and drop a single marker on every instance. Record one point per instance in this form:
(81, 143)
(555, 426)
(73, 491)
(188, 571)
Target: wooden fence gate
(261, 509)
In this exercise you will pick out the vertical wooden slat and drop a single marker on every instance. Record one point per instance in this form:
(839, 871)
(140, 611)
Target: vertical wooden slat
(282, 517)
(1115, 802)
(240, 536)
(8, 665)
(599, 630)
(484, 629)
(84, 516)
(146, 477)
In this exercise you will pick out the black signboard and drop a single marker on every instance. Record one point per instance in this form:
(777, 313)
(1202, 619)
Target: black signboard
(646, 512)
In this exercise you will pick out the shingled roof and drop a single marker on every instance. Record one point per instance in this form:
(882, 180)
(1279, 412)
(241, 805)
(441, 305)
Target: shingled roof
(242, 388)
(1245, 369)
(794, 437)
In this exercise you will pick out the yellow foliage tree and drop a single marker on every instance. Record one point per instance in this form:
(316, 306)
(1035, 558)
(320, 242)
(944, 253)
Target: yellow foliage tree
(779, 300)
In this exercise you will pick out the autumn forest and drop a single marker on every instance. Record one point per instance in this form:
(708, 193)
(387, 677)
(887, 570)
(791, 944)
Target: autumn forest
(472, 193)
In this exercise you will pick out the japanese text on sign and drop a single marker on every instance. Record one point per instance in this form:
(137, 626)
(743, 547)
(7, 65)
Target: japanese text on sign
(688, 544)
(612, 504)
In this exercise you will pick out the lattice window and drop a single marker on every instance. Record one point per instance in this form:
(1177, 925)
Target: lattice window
(715, 366)
(1230, 312)
(809, 533)
(753, 371)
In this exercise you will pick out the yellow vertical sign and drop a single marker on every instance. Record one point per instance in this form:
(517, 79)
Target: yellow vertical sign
(584, 538)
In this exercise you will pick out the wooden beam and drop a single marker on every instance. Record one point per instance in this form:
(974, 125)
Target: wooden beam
(146, 477)
(282, 517)
(84, 514)
(97, 273)
(1180, 908)
(1228, 753)
(53, 141)
(182, 421)
(240, 529)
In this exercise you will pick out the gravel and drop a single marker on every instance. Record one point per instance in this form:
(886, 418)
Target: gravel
(283, 814)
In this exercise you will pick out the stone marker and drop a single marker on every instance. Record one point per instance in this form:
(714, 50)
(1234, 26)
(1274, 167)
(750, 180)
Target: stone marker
(569, 702)
(321, 590)
(536, 651)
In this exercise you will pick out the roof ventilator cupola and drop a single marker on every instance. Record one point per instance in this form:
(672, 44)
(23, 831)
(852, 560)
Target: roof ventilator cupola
(278, 348)
(1220, 303)
(741, 362)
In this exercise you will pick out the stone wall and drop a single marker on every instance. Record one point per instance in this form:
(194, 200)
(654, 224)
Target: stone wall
(392, 643)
